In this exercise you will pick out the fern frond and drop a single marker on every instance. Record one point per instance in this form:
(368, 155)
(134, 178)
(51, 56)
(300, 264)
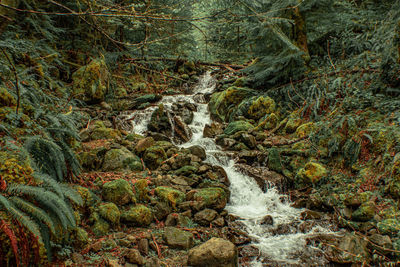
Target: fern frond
(71, 194)
(24, 219)
(34, 212)
(52, 201)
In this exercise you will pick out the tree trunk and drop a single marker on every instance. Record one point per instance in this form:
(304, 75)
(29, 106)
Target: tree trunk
(300, 34)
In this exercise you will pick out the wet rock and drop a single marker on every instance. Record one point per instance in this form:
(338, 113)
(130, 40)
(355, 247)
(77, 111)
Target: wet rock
(119, 192)
(389, 226)
(226, 142)
(274, 160)
(312, 172)
(143, 246)
(121, 159)
(348, 249)
(310, 215)
(381, 243)
(110, 212)
(365, 212)
(90, 82)
(161, 210)
(182, 133)
(186, 170)
(145, 99)
(205, 217)
(237, 126)
(170, 195)
(219, 222)
(144, 144)
(176, 238)
(263, 176)
(159, 136)
(216, 252)
(268, 220)
(213, 197)
(160, 122)
(139, 215)
(212, 130)
(184, 110)
(223, 103)
(133, 256)
(154, 156)
(198, 151)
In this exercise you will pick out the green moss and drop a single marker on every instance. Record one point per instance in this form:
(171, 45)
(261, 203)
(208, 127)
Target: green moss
(305, 129)
(91, 81)
(6, 99)
(212, 197)
(364, 213)
(186, 170)
(312, 172)
(119, 192)
(142, 190)
(138, 215)
(389, 226)
(260, 107)
(110, 212)
(170, 195)
(237, 126)
(154, 156)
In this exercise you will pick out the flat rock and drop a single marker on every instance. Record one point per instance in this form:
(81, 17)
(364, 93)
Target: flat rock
(216, 252)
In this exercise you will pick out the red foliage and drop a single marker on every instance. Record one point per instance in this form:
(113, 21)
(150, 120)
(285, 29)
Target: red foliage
(13, 239)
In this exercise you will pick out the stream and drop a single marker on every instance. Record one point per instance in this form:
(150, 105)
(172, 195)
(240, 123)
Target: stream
(279, 244)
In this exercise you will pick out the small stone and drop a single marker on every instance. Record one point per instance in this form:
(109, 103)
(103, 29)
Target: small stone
(133, 256)
(268, 220)
(216, 252)
(219, 222)
(205, 217)
(143, 246)
(176, 238)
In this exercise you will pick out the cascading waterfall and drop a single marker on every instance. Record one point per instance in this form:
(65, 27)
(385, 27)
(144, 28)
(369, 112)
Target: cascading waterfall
(248, 201)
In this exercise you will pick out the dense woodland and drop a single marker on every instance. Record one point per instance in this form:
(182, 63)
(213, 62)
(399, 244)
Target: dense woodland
(316, 84)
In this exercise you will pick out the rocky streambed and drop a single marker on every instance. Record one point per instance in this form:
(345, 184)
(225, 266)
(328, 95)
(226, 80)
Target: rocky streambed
(177, 187)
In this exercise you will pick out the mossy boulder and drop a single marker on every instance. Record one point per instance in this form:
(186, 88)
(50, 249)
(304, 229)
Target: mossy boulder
(186, 170)
(144, 144)
(364, 213)
(154, 156)
(119, 192)
(121, 159)
(237, 126)
(170, 195)
(6, 99)
(101, 227)
(269, 121)
(100, 133)
(260, 107)
(293, 123)
(305, 129)
(93, 159)
(81, 237)
(139, 215)
(223, 103)
(142, 190)
(312, 172)
(274, 160)
(177, 238)
(389, 226)
(160, 122)
(90, 82)
(212, 197)
(110, 212)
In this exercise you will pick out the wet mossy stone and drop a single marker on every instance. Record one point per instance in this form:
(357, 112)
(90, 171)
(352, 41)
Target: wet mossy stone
(261, 106)
(121, 159)
(90, 82)
(312, 172)
(170, 195)
(293, 123)
(198, 151)
(119, 192)
(154, 156)
(145, 100)
(237, 126)
(139, 215)
(160, 122)
(142, 190)
(177, 238)
(186, 170)
(100, 133)
(101, 227)
(110, 212)
(212, 197)
(364, 213)
(389, 226)
(144, 144)
(222, 104)
(274, 160)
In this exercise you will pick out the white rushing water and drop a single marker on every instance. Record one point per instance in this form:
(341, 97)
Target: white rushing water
(248, 201)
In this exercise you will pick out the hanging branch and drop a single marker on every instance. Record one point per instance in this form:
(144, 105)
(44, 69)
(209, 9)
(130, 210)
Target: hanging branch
(14, 70)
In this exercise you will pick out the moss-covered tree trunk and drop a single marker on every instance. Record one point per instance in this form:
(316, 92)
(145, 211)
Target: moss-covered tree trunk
(300, 34)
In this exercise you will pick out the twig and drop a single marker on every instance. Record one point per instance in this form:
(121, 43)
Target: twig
(16, 79)
(157, 247)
